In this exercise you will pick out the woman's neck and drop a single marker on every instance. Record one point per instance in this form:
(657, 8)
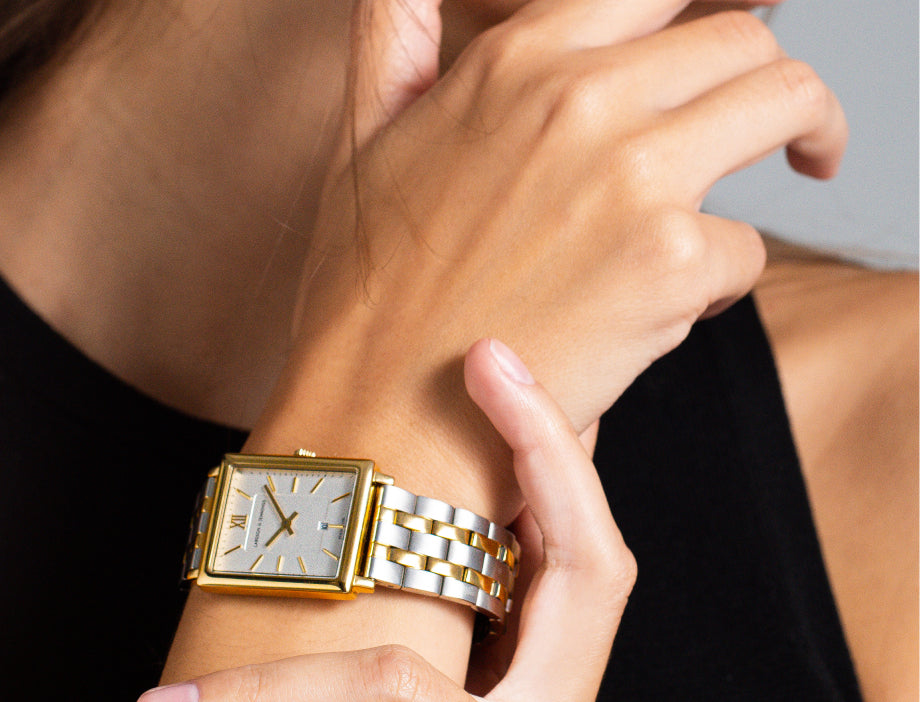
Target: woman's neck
(157, 191)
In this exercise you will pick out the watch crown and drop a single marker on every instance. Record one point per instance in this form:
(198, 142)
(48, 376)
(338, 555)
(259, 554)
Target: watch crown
(304, 453)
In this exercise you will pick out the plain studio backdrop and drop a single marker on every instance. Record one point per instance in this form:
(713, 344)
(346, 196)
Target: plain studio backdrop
(867, 53)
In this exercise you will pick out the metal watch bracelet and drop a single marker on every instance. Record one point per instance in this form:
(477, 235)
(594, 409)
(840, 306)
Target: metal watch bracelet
(428, 546)
(418, 544)
(194, 550)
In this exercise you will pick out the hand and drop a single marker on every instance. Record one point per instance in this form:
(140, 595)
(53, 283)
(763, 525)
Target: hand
(582, 553)
(286, 522)
(545, 191)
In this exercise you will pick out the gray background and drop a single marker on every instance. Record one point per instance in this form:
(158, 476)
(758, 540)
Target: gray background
(867, 53)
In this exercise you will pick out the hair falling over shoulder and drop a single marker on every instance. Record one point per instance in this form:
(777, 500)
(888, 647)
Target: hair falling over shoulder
(34, 32)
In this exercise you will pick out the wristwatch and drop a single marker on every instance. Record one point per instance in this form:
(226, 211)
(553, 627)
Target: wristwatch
(304, 526)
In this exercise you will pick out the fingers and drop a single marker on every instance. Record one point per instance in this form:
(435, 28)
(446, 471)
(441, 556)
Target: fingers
(728, 96)
(710, 97)
(580, 24)
(745, 119)
(394, 59)
(564, 626)
(735, 259)
(711, 51)
(550, 462)
(383, 674)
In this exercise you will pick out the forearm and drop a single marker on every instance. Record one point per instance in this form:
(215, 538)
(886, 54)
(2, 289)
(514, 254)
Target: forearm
(562, 490)
(443, 448)
(224, 631)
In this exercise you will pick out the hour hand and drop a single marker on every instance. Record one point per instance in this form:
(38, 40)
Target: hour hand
(285, 521)
(285, 524)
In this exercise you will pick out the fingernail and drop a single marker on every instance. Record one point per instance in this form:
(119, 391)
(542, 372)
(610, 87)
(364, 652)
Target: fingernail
(513, 366)
(180, 692)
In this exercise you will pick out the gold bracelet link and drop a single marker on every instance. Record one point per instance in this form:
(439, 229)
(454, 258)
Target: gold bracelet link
(199, 528)
(427, 546)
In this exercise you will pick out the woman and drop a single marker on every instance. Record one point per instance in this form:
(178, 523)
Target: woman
(198, 166)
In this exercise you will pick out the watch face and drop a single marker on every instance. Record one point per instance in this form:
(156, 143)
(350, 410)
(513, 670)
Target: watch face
(285, 522)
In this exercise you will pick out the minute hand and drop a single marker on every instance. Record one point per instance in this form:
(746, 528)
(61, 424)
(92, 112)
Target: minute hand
(285, 524)
(285, 521)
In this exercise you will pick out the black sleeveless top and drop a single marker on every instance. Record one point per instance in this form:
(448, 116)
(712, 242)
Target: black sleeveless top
(732, 600)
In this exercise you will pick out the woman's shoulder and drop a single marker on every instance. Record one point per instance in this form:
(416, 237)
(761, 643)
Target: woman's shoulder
(845, 340)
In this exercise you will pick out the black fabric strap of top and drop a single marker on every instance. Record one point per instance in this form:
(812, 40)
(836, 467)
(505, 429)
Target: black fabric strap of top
(732, 600)
(98, 486)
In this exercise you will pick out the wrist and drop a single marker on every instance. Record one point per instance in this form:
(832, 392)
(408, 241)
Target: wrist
(435, 443)
(424, 459)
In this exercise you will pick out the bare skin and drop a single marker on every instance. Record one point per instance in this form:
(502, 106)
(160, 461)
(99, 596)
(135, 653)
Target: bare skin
(152, 236)
(845, 342)
(436, 283)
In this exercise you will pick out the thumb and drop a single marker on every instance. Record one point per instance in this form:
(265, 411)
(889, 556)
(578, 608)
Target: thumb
(394, 58)
(370, 675)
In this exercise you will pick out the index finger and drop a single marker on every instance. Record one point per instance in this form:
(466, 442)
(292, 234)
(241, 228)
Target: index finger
(736, 124)
(579, 24)
(584, 552)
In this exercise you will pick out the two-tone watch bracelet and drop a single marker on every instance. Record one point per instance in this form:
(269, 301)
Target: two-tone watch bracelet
(428, 546)
(418, 544)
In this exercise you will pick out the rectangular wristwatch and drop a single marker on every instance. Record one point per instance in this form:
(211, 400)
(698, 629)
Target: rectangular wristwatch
(304, 526)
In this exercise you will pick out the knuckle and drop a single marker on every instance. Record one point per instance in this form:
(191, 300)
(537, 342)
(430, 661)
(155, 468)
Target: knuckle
(804, 88)
(504, 47)
(583, 99)
(617, 561)
(677, 243)
(628, 571)
(634, 166)
(622, 577)
(616, 571)
(747, 31)
(398, 674)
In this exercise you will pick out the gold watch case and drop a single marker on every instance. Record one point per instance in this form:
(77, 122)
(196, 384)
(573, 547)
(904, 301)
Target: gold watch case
(346, 582)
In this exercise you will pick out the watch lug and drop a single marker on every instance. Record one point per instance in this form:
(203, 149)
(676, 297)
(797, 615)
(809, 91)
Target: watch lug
(383, 479)
(362, 585)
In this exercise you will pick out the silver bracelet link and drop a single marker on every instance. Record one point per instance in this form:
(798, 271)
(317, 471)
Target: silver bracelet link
(427, 546)
(199, 528)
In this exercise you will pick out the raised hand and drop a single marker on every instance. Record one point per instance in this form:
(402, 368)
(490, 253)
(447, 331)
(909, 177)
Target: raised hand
(545, 191)
(562, 642)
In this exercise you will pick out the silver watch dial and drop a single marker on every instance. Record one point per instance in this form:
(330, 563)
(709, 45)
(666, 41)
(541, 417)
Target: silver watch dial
(279, 522)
